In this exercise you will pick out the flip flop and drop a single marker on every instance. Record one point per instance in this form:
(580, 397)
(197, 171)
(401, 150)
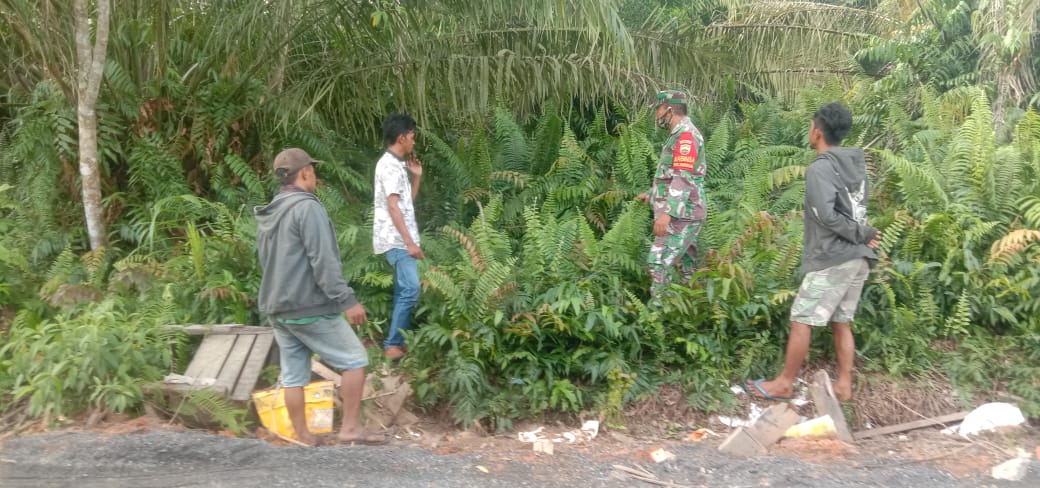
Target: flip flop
(762, 392)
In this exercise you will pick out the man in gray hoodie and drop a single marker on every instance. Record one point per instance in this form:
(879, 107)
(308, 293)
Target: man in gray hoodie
(837, 255)
(304, 296)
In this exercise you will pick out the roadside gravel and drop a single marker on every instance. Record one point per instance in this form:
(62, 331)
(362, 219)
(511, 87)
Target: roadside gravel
(157, 458)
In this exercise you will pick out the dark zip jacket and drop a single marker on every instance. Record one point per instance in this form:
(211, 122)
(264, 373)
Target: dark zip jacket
(302, 272)
(836, 229)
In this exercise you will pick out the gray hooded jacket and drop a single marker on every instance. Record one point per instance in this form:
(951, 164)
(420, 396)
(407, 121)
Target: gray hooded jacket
(302, 272)
(836, 229)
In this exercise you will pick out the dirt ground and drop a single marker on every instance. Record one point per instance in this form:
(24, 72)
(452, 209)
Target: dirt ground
(151, 451)
(146, 451)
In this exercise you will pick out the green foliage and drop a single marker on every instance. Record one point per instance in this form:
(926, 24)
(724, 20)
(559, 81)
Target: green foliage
(733, 321)
(117, 352)
(15, 269)
(533, 325)
(1004, 365)
(206, 406)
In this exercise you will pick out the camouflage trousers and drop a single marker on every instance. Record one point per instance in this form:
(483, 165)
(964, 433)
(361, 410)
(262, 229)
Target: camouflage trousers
(679, 246)
(830, 294)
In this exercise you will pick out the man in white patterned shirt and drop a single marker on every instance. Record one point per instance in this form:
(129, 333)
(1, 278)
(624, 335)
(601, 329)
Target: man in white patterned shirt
(394, 231)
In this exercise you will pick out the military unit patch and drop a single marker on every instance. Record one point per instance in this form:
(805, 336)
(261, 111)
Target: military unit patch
(684, 157)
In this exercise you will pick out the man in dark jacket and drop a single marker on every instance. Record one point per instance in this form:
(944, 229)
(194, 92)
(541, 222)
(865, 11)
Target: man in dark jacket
(837, 255)
(304, 296)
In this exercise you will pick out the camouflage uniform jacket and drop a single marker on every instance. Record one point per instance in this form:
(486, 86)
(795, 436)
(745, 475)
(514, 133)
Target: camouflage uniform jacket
(678, 187)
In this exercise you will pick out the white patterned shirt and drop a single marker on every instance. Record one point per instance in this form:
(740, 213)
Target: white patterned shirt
(392, 178)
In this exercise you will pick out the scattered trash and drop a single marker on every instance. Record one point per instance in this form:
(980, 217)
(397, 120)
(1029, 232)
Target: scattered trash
(737, 389)
(904, 438)
(699, 434)
(1013, 470)
(734, 422)
(544, 445)
(588, 431)
(590, 428)
(531, 436)
(801, 394)
(660, 455)
(482, 469)
(822, 427)
(990, 416)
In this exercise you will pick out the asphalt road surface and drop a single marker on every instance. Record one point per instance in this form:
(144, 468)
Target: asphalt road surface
(198, 459)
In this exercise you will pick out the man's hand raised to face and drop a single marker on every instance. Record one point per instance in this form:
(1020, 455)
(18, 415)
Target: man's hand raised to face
(414, 166)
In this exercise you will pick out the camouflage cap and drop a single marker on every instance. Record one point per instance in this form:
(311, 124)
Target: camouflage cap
(670, 96)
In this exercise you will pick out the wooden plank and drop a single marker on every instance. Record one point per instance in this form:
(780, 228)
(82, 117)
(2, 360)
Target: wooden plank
(197, 329)
(181, 387)
(826, 403)
(210, 357)
(251, 371)
(236, 360)
(917, 424)
(325, 372)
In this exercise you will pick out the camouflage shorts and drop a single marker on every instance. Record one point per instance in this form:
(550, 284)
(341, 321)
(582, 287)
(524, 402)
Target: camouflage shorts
(831, 294)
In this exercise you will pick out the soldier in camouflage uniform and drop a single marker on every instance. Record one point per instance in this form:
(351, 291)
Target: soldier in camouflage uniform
(677, 194)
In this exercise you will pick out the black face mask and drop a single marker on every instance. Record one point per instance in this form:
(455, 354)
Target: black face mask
(665, 121)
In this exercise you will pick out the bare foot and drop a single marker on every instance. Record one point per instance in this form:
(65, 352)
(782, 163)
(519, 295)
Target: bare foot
(770, 390)
(361, 436)
(310, 439)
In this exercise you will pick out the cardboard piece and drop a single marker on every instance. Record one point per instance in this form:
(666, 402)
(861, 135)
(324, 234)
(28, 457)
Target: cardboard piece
(767, 430)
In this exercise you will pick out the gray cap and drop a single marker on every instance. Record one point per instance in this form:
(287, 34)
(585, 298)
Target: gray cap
(293, 159)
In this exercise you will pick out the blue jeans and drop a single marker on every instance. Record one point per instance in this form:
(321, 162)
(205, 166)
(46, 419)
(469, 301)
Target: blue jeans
(406, 294)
